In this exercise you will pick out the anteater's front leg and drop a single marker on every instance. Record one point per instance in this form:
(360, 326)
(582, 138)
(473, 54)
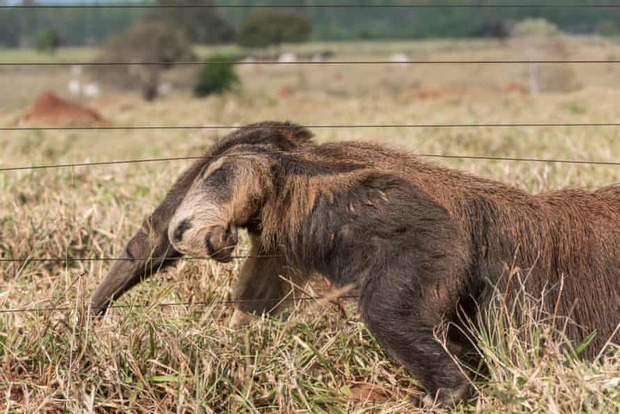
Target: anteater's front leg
(265, 285)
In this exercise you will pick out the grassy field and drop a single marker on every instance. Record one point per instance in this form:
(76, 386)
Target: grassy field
(318, 357)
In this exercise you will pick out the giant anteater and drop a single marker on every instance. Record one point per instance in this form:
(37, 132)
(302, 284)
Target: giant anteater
(422, 243)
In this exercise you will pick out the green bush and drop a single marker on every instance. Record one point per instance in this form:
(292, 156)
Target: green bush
(216, 79)
(48, 41)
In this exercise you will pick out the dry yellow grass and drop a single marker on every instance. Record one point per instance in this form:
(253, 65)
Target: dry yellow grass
(185, 358)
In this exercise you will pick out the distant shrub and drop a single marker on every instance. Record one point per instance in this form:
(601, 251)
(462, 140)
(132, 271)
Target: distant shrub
(535, 27)
(48, 41)
(607, 28)
(216, 79)
(273, 27)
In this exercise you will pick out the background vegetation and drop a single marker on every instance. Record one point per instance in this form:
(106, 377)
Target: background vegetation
(91, 26)
(48, 41)
(149, 43)
(265, 28)
(216, 78)
(200, 25)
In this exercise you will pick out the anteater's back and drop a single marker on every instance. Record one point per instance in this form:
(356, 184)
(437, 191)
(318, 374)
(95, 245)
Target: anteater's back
(567, 243)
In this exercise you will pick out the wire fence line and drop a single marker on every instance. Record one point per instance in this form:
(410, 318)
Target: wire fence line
(223, 127)
(422, 155)
(322, 63)
(320, 126)
(122, 259)
(231, 302)
(323, 6)
(190, 258)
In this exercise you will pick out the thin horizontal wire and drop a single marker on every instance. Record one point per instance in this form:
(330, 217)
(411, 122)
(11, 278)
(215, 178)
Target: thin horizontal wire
(122, 259)
(519, 159)
(448, 156)
(170, 304)
(323, 126)
(90, 164)
(318, 6)
(316, 63)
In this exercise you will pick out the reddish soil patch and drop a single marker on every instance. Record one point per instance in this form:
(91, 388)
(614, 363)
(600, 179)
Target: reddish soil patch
(440, 93)
(285, 92)
(369, 393)
(50, 110)
(435, 94)
(517, 88)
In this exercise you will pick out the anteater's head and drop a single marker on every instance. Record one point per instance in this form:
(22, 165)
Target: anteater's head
(201, 213)
(226, 195)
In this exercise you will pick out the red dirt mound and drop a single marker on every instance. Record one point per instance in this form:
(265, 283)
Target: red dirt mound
(50, 110)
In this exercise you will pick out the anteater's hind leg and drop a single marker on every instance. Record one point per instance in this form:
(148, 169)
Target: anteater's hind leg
(406, 327)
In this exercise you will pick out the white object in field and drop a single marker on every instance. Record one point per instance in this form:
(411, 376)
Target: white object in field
(287, 58)
(399, 58)
(534, 78)
(164, 89)
(77, 70)
(317, 57)
(75, 87)
(249, 61)
(92, 90)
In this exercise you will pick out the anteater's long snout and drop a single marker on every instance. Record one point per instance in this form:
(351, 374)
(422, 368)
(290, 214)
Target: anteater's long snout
(122, 276)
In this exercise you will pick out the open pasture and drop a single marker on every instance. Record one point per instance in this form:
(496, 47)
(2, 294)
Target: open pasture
(319, 358)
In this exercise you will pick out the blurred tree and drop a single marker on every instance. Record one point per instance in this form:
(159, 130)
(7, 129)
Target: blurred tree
(48, 41)
(146, 42)
(29, 24)
(9, 27)
(201, 25)
(216, 78)
(272, 27)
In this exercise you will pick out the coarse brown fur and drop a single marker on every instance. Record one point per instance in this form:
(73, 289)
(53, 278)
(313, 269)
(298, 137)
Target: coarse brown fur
(420, 242)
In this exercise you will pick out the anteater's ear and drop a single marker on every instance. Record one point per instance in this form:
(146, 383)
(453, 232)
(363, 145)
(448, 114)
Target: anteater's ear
(282, 135)
(296, 133)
